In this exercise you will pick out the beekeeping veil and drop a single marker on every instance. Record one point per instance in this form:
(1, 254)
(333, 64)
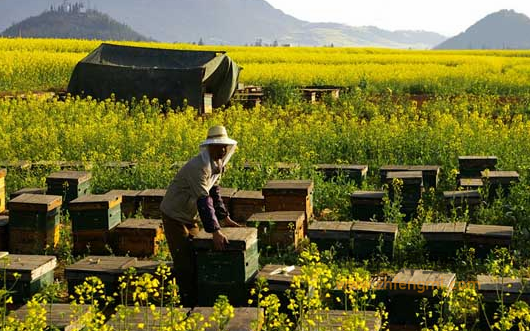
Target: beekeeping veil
(217, 135)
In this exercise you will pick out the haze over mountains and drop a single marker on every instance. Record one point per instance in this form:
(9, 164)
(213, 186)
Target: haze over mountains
(236, 22)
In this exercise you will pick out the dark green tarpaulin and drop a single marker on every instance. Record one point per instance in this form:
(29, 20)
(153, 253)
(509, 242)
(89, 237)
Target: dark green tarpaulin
(134, 72)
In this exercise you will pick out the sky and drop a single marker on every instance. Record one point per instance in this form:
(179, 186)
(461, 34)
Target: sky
(448, 17)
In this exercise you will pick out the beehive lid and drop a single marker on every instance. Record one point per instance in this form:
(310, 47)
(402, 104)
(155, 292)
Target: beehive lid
(124, 193)
(476, 157)
(363, 168)
(242, 320)
(513, 175)
(153, 193)
(471, 182)
(405, 175)
(331, 230)
(277, 216)
(374, 227)
(455, 195)
(150, 266)
(58, 315)
(102, 264)
(459, 228)
(254, 195)
(414, 281)
(135, 223)
(495, 231)
(70, 176)
(368, 195)
(35, 202)
(505, 284)
(393, 168)
(298, 185)
(30, 267)
(240, 239)
(28, 190)
(95, 201)
(426, 168)
(279, 273)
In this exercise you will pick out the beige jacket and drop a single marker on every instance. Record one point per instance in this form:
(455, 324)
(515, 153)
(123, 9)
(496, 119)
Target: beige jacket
(190, 183)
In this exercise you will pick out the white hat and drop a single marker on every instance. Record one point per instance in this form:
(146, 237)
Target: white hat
(217, 136)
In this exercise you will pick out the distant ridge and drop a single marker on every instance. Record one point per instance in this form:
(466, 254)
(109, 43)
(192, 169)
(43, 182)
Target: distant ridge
(504, 29)
(73, 21)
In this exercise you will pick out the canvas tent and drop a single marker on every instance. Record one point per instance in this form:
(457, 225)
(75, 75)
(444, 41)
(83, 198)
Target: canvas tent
(132, 72)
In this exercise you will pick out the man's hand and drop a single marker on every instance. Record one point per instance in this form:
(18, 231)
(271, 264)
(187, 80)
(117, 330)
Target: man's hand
(229, 223)
(219, 240)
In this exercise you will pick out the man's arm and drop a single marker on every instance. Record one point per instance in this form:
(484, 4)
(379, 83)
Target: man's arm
(220, 209)
(205, 206)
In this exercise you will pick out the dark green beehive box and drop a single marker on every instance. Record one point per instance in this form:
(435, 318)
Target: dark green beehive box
(412, 186)
(472, 166)
(130, 202)
(461, 202)
(367, 205)
(69, 184)
(150, 201)
(370, 239)
(107, 268)
(430, 173)
(484, 238)
(409, 287)
(336, 235)
(36, 271)
(246, 203)
(236, 264)
(95, 212)
(226, 194)
(355, 173)
(499, 180)
(4, 234)
(28, 190)
(444, 239)
(279, 229)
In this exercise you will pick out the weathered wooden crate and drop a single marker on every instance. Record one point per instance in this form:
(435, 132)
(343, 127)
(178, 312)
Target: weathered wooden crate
(369, 236)
(69, 185)
(315, 94)
(3, 173)
(150, 202)
(4, 234)
(412, 186)
(245, 319)
(34, 223)
(95, 212)
(472, 166)
(226, 194)
(499, 180)
(430, 173)
(106, 268)
(59, 316)
(129, 201)
(409, 287)
(279, 277)
(355, 173)
(248, 100)
(28, 190)
(486, 237)
(470, 183)
(289, 195)
(444, 239)
(235, 265)
(367, 205)
(246, 203)
(138, 237)
(36, 271)
(279, 229)
(332, 235)
(98, 242)
(330, 320)
(462, 201)
(379, 285)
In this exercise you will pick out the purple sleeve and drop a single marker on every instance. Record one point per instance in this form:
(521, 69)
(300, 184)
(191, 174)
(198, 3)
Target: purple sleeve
(218, 204)
(205, 206)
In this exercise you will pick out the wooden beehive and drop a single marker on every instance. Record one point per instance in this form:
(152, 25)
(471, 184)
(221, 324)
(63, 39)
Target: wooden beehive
(150, 201)
(279, 277)
(315, 94)
(245, 204)
(355, 173)
(332, 234)
(470, 183)
(129, 201)
(462, 201)
(499, 180)
(369, 236)
(444, 239)
(409, 287)
(3, 173)
(34, 223)
(59, 316)
(226, 194)
(430, 173)
(343, 320)
(412, 186)
(107, 268)
(138, 237)
(98, 242)
(69, 185)
(32, 190)
(236, 264)
(367, 205)
(492, 286)
(278, 230)
(472, 166)
(486, 237)
(243, 320)
(378, 285)
(289, 195)
(36, 271)
(4, 234)
(95, 212)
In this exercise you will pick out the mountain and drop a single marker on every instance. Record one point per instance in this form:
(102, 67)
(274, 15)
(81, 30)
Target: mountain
(72, 22)
(234, 22)
(504, 29)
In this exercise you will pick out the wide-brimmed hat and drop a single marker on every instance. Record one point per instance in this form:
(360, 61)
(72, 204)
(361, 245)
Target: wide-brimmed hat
(217, 136)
